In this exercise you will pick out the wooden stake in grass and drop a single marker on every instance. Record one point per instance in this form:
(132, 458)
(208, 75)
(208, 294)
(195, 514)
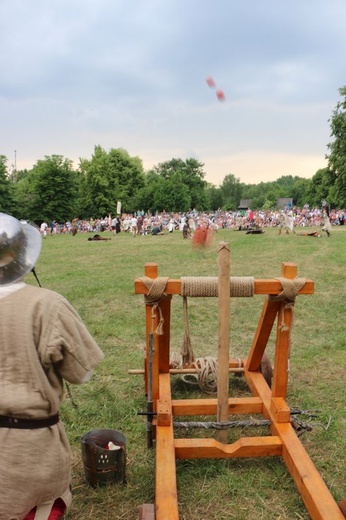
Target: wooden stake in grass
(224, 329)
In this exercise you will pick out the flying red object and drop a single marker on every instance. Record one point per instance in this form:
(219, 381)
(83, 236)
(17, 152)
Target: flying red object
(210, 82)
(220, 95)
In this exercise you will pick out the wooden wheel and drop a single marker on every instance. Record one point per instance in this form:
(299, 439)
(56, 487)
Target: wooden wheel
(266, 369)
(342, 505)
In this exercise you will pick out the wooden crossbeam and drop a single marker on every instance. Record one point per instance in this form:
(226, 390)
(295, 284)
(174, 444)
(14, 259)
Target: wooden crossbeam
(236, 405)
(262, 286)
(213, 449)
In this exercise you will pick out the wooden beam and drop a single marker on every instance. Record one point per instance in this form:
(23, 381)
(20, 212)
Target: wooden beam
(262, 286)
(224, 330)
(177, 371)
(316, 496)
(166, 497)
(236, 405)
(283, 339)
(280, 410)
(259, 388)
(244, 447)
(264, 328)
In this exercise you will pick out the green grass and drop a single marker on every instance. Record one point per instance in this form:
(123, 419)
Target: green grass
(98, 279)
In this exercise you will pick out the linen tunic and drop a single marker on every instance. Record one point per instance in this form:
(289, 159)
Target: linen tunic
(42, 341)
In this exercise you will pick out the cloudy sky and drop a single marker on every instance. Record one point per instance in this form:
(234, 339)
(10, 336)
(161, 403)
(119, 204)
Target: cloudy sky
(132, 74)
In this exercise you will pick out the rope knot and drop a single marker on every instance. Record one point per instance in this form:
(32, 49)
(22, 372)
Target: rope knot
(156, 288)
(290, 289)
(288, 295)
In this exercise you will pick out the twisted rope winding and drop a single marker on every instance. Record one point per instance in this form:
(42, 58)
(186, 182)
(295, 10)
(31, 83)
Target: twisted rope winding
(224, 425)
(208, 286)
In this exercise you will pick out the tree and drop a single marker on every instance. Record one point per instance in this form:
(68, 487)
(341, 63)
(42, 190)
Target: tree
(145, 197)
(172, 195)
(214, 197)
(337, 152)
(300, 190)
(231, 191)
(320, 186)
(107, 178)
(6, 192)
(49, 191)
(190, 173)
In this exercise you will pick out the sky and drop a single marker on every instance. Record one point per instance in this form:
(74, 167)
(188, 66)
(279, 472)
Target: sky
(131, 74)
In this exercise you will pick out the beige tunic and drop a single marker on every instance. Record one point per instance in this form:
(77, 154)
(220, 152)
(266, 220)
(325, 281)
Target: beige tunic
(42, 342)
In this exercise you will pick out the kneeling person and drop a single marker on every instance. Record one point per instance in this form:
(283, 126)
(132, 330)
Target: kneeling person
(43, 342)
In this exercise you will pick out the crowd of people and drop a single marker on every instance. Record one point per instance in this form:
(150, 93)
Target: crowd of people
(141, 223)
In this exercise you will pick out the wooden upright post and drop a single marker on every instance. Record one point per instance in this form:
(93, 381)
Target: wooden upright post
(282, 350)
(224, 331)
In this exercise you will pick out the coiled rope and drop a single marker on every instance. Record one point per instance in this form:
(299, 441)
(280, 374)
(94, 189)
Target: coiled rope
(206, 372)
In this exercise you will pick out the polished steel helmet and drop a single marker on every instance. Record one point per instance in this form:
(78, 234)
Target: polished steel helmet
(20, 246)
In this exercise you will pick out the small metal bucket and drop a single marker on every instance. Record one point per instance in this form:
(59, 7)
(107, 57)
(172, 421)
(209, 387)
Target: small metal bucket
(101, 465)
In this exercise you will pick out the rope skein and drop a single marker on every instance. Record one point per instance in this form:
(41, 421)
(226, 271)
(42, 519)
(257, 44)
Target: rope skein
(196, 286)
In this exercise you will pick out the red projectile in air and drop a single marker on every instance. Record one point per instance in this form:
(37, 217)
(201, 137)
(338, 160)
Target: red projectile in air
(220, 95)
(210, 82)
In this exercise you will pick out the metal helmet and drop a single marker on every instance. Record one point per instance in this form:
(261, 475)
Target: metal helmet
(20, 247)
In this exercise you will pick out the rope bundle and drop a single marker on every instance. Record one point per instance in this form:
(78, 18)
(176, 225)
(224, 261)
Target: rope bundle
(196, 286)
(206, 372)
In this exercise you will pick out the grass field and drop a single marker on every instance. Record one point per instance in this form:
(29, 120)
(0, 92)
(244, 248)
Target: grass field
(98, 279)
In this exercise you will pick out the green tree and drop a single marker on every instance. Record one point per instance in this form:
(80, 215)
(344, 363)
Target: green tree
(214, 197)
(49, 191)
(190, 173)
(6, 191)
(319, 187)
(145, 196)
(231, 192)
(107, 178)
(300, 190)
(337, 152)
(271, 199)
(172, 195)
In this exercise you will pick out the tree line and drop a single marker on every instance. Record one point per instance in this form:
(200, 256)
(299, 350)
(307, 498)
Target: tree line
(54, 190)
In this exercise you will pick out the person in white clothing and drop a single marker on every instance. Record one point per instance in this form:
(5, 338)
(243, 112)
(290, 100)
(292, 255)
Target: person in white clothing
(134, 227)
(43, 229)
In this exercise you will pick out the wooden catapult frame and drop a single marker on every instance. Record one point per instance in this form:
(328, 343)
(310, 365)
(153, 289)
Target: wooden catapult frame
(265, 400)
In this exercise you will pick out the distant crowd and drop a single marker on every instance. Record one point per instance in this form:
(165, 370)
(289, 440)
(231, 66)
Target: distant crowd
(143, 223)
